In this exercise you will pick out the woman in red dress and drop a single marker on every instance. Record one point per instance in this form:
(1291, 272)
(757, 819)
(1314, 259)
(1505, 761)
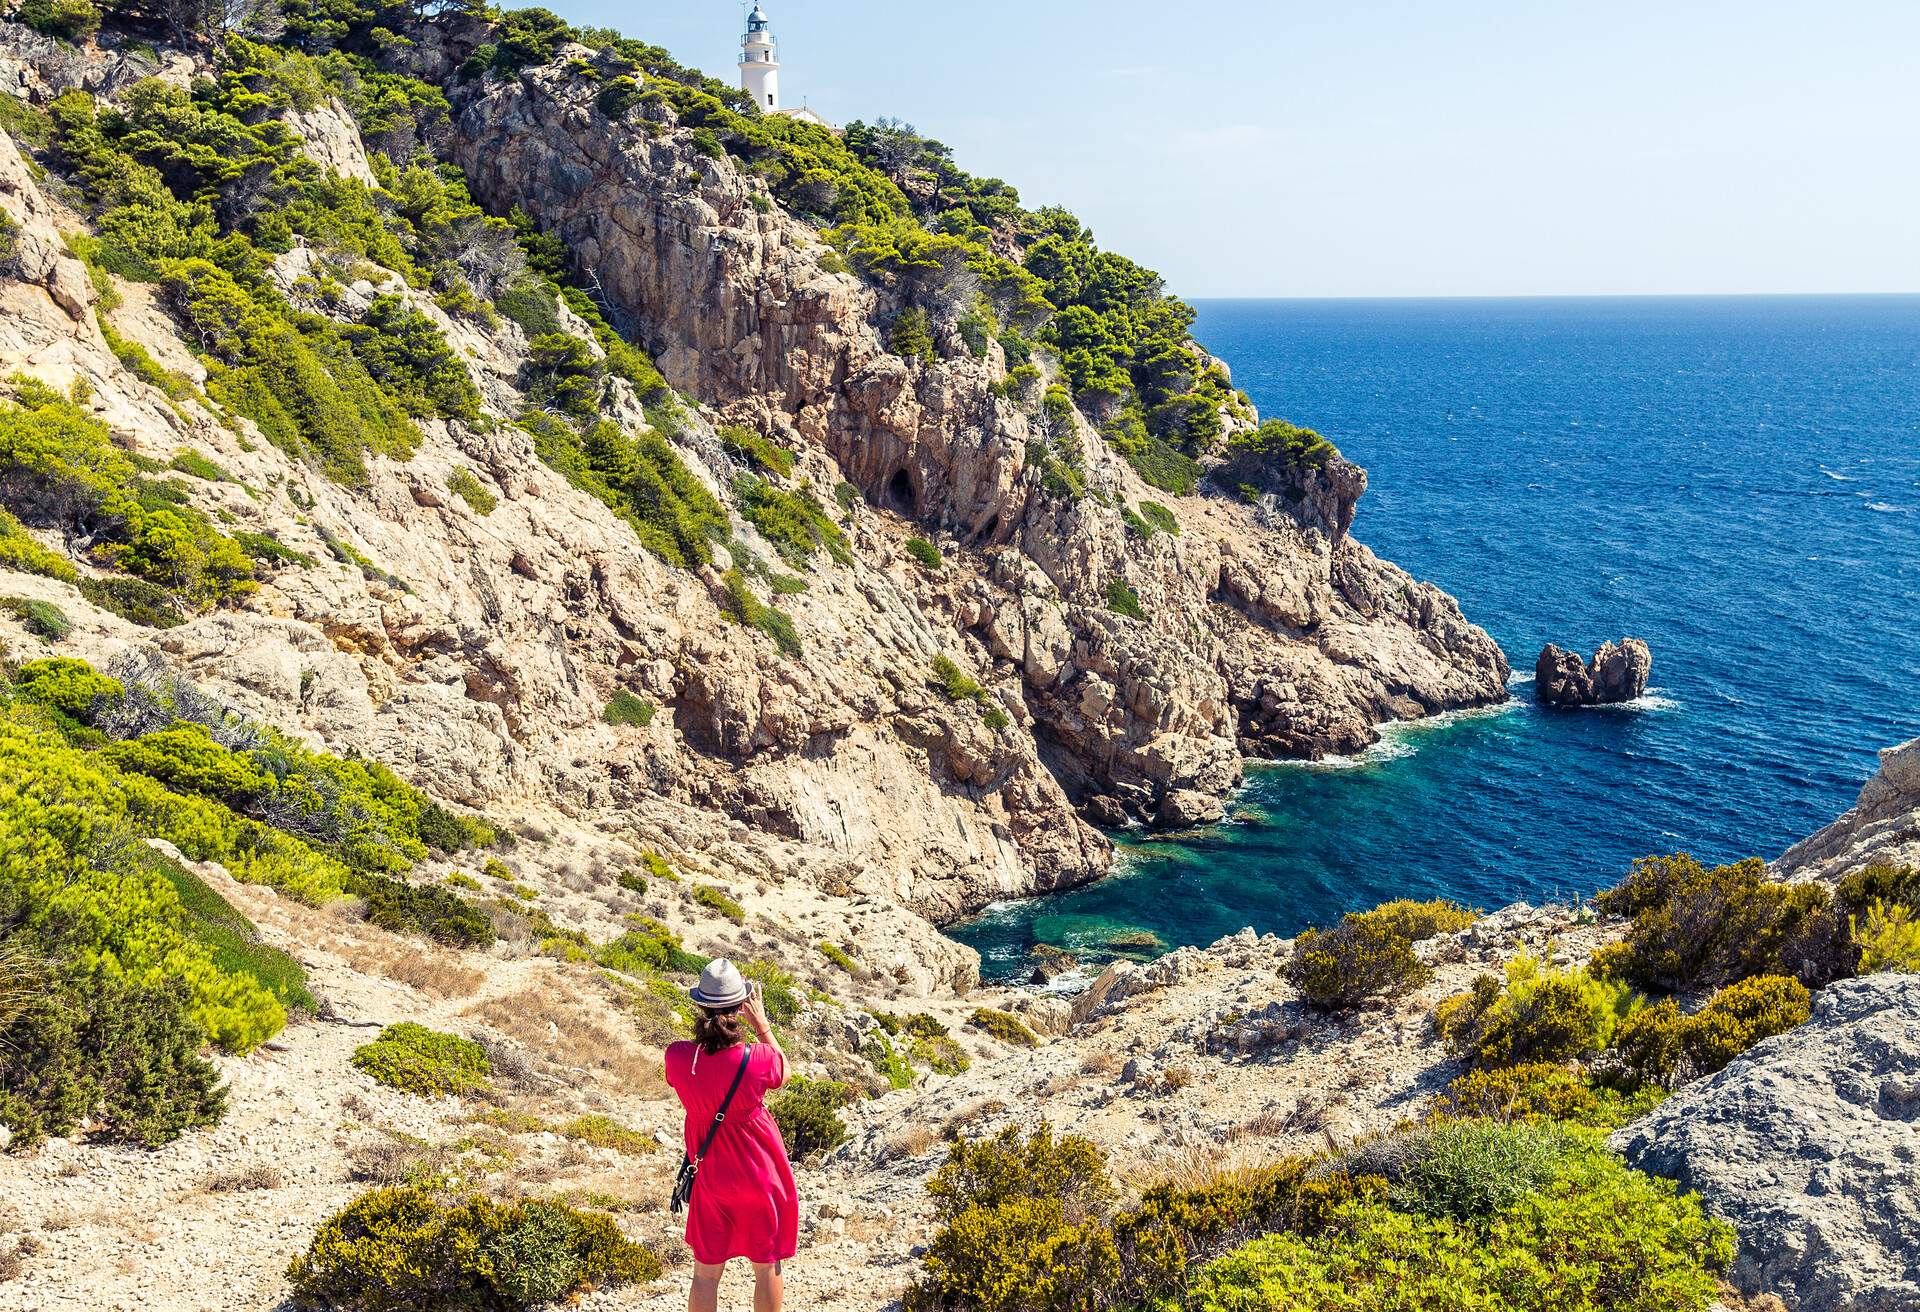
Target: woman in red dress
(744, 1203)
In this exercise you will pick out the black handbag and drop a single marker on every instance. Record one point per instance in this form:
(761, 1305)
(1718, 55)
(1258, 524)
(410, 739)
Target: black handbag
(683, 1183)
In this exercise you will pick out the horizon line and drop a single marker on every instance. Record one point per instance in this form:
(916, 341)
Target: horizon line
(1556, 296)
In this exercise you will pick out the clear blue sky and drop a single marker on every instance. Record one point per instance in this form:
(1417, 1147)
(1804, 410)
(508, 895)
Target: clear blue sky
(1491, 147)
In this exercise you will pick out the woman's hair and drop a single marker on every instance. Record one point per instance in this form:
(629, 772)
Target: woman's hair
(716, 1031)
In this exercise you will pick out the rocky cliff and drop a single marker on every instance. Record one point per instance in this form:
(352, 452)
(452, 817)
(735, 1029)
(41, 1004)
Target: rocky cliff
(476, 652)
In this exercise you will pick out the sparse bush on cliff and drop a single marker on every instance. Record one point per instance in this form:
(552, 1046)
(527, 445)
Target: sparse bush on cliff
(808, 1114)
(42, 619)
(926, 553)
(417, 1060)
(393, 1250)
(715, 899)
(911, 336)
(838, 956)
(647, 948)
(1277, 439)
(466, 485)
(955, 682)
(761, 453)
(449, 831)
(70, 20)
(1123, 600)
(1665, 1047)
(628, 710)
(1355, 962)
(1538, 1014)
(1004, 1026)
(742, 607)
(793, 522)
(1695, 926)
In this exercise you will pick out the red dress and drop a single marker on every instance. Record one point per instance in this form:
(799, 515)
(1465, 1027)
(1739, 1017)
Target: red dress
(744, 1202)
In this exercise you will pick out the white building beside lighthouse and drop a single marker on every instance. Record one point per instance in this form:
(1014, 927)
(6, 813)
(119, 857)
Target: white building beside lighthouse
(760, 70)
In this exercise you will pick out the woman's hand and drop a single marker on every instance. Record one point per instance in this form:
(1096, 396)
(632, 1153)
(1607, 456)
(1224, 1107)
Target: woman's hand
(756, 1009)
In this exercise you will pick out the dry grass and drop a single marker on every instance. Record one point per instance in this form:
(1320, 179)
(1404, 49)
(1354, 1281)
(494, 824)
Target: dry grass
(561, 1027)
(1184, 1166)
(1101, 1061)
(913, 1141)
(245, 1179)
(1306, 1116)
(1177, 1077)
(424, 969)
(392, 1159)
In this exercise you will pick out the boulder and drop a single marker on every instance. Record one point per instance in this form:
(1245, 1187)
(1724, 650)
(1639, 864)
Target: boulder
(1617, 673)
(1049, 962)
(1188, 808)
(1807, 1144)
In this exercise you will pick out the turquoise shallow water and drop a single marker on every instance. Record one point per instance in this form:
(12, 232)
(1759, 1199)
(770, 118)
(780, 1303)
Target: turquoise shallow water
(1737, 480)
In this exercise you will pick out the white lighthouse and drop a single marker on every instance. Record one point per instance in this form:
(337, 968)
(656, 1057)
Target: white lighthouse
(760, 63)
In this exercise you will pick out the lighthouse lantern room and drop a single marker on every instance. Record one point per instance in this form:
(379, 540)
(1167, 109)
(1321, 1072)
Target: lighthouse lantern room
(760, 63)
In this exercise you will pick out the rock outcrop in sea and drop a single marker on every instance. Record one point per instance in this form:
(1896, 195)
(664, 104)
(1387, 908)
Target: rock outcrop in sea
(1617, 673)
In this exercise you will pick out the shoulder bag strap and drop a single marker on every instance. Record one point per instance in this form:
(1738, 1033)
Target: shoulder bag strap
(725, 1103)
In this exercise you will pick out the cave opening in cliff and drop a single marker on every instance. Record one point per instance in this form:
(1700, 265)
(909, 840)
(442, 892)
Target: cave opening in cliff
(988, 530)
(900, 494)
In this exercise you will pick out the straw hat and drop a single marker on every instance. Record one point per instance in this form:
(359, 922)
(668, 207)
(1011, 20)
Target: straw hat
(720, 986)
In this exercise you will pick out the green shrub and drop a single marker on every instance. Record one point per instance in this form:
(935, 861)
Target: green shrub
(1696, 927)
(70, 20)
(742, 607)
(912, 336)
(122, 1058)
(808, 1114)
(1123, 600)
(417, 1060)
(436, 913)
(464, 484)
(1004, 1026)
(20, 550)
(134, 600)
(1293, 446)
(448, 831)
(1466, 1170)
(641, 479)
(847, 494)
(890, 1062)
(42, 619)
(954, 681)
(59, 462)
(605, 1132)
(1539, 1014)
(1020, 1227)
(628, 710)
(715, 899)
(1541, 1091)
(397, 1249)
(230, 938)
(649, 946)
(1888, 938)
(793, 522)
(1419, 921)
(942, 1055)
(192, 462)
(657, 866)
(926, 553)
(632, 880)
(995, 718)
(746, 445)
(838, 956)
(1662, 1047)
(1159, 517)
(1599, 1238)
(1356, 962)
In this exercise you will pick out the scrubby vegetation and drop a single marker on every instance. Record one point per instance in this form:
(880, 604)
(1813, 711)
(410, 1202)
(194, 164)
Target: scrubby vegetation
(1537, 1014)
(1459, 1214)
(956, 683)
(1541, 1091)
(628, 710)
(415, 1059)
(1364, 958)
(746, 445)
(1662, 1047)
(926, 553)
(715, 899)
(393, 1249)
(808, 1113)
(1004, 1026)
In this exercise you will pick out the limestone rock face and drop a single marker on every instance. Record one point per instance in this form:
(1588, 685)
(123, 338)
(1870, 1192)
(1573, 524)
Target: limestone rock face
(1122, 676)
(1882, 828)
(1617, 673)
(1807, 1144)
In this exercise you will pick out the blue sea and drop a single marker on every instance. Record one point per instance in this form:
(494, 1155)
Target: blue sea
(1736, 480)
